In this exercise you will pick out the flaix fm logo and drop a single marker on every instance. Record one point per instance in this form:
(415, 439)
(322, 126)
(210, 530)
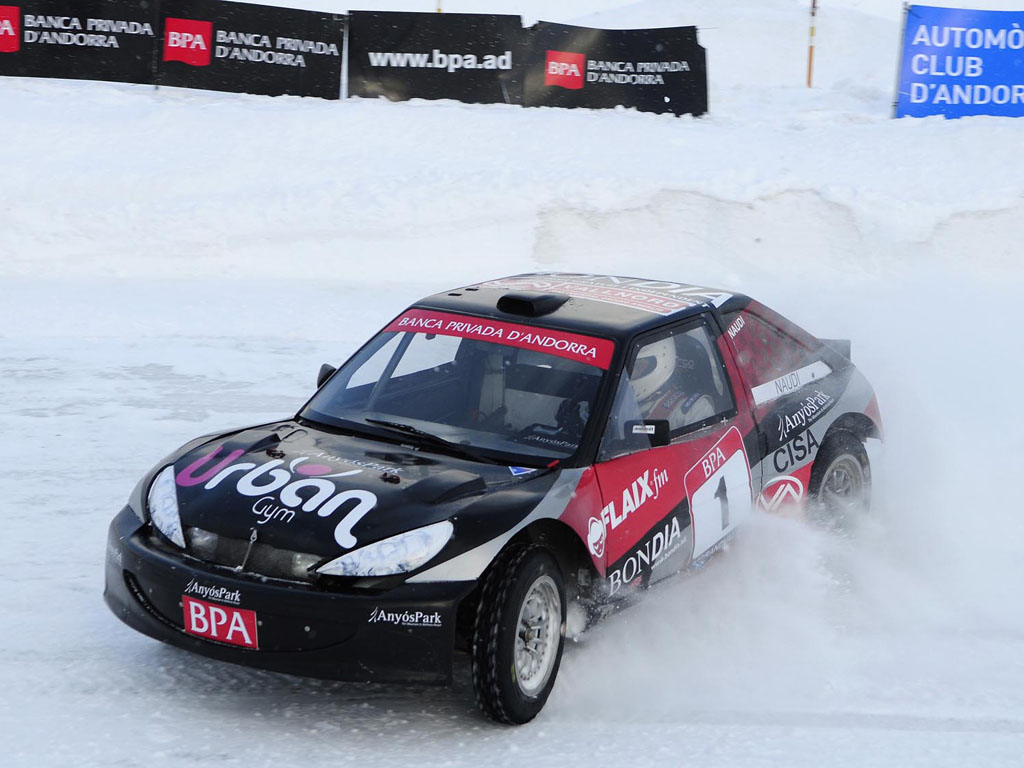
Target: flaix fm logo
(565, 69)
(10, 28)
(188, 41)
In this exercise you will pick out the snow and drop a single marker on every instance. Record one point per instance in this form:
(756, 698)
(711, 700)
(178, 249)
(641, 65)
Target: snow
(175, 262)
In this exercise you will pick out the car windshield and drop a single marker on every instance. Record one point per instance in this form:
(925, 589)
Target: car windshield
(497, 391)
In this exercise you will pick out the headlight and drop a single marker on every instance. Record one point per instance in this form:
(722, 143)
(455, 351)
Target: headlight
(136, 500)
(399, 554)
(163, 506)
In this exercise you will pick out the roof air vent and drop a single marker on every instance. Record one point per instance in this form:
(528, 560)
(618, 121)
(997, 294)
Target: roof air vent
(531, 304)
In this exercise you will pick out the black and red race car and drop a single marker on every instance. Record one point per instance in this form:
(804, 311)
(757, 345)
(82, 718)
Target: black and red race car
(498, 456)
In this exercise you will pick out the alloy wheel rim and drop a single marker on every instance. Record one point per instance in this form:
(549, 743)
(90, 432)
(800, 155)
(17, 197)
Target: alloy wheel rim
(843, 486)
(537, 632)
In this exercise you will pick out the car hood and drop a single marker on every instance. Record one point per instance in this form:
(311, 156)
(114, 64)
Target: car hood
(308, 490)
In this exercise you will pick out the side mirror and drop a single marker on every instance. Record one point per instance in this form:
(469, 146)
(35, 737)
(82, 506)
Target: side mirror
(656, 430)
(326, 371)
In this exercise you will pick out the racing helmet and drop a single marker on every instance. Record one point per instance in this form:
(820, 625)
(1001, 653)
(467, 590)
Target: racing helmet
(653, 368)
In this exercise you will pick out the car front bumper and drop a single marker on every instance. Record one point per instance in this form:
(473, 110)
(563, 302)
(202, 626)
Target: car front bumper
(406, 634)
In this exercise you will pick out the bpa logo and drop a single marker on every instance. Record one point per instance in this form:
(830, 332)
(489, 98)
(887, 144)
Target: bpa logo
(10, 28)
(235, 626)
(565, 69)
(188, 41)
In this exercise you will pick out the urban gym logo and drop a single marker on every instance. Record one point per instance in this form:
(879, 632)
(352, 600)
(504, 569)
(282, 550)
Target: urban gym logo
(188, 41)
(10, 28)
(565, 69)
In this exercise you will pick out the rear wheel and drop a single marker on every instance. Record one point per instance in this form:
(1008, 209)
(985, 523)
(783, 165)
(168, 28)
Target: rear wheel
(518, 634)
(840, 481)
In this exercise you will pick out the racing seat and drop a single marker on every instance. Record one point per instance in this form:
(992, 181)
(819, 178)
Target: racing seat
(693, 371)
(573, 412)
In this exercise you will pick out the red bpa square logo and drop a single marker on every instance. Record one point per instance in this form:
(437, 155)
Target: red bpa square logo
(565, 69)
(10, 28)
(188, 41)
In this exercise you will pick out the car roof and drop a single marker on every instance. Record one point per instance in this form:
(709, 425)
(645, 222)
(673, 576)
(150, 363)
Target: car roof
(603, 305)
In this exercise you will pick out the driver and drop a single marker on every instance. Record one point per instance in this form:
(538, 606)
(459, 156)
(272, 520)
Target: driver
(672, 380)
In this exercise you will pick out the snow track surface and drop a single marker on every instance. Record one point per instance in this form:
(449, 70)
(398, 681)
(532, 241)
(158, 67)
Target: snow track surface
(149, 296)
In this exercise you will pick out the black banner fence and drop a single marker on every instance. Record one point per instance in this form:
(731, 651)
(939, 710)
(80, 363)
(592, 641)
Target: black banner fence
(247, 48)
(79, 39)
(651, 70)
(468, 57)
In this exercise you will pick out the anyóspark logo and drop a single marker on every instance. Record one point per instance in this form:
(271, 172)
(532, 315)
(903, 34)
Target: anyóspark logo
(405, 618)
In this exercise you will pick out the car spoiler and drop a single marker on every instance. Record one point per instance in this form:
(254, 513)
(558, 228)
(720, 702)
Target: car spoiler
(842, 346)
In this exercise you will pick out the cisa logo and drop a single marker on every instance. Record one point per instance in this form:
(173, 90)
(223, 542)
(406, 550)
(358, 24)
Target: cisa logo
(188, 41)
(10, 28)
(319, 493)
(565, 69)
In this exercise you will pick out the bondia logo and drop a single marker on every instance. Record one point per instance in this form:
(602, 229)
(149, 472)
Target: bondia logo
(652, 553)
(188, 41)
(10, 28)
(274, 484)
(565, 69)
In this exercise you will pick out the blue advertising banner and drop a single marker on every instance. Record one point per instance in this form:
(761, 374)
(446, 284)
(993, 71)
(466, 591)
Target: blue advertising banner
(957, 62)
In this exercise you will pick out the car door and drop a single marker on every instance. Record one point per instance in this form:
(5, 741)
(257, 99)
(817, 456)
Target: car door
(673, 466)
(792, 388)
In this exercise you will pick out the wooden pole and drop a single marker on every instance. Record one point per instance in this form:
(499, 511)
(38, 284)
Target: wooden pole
(810, 48)
(899, 69)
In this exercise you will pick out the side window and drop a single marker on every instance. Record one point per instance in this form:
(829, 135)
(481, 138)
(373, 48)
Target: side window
(765, 354)
(678, 378)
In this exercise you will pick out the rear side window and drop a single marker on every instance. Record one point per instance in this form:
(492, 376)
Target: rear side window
(772, 361)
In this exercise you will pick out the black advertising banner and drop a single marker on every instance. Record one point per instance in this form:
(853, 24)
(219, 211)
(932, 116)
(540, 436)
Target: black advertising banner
(247, 48)
(80, 39)
(652, 70)
(473, 58)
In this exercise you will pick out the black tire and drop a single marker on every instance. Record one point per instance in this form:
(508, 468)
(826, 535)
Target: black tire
(522, 578)
(840, 485)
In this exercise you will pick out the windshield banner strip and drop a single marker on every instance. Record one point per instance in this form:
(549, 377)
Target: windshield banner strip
(572, 346)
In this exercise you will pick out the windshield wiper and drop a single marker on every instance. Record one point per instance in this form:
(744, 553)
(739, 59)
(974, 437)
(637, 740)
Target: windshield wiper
(432, 439)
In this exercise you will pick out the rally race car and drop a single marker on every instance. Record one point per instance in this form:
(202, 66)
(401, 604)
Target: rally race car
(497, 457)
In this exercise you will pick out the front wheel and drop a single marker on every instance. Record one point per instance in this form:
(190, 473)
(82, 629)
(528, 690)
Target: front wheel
(840, 481)
(518, 634)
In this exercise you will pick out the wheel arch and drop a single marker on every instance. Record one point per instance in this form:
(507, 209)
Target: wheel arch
(565, 544)
(569, 551)
(857, 424)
